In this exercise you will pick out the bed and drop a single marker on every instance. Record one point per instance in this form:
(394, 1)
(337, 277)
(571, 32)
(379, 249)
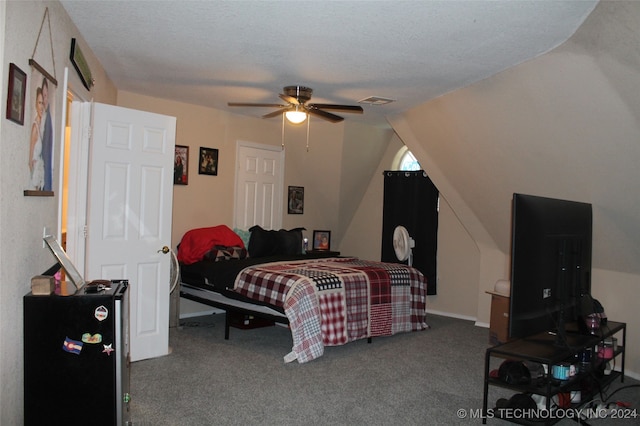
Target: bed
(326, 301)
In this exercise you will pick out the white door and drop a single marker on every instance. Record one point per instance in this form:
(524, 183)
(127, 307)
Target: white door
(129, 216)
(259, 186)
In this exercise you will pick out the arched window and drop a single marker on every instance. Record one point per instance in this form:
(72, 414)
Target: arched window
(409, 162)
(405, 161)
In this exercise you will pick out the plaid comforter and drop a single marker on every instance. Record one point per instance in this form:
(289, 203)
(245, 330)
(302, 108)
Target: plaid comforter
(333, 301)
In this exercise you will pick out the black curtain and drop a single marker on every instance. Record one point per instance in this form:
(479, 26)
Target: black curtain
(411, 200)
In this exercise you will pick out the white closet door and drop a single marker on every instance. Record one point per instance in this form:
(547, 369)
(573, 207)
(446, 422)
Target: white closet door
(259, 186)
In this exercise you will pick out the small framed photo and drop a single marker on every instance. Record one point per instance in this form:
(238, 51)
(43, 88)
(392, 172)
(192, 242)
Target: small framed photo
(321, 240)
(296, 200)
(208, 161)
(181, 165)
(16, 94)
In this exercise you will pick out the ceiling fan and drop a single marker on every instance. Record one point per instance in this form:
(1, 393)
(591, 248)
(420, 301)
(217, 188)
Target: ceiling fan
(297, 108)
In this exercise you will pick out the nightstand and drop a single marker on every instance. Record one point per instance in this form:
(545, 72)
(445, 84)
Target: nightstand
(327, 253)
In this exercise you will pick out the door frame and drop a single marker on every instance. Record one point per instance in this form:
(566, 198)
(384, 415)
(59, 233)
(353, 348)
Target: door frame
(78, 166)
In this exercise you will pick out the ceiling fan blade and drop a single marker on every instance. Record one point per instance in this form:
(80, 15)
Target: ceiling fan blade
(313, 110)
(344, 108)
(276, 113)
(244, 104)
(289, 99)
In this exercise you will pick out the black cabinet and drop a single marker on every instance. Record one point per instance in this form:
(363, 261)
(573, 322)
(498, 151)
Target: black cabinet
(76, 352)
(588, 379)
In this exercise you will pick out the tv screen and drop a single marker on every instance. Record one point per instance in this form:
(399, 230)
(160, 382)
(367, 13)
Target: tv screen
(550, 263)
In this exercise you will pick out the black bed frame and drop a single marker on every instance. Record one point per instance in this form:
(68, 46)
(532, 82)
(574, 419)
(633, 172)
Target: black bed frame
(231, 309)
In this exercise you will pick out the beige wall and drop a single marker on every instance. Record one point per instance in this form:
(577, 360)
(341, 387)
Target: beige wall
(335, 169)
(458, 264)
(209, 200)
(206, 200)
(22, 218)
(563, 125)
(478, 144)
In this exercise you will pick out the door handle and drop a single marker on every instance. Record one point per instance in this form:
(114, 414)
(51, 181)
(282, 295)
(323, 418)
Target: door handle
(164, 250)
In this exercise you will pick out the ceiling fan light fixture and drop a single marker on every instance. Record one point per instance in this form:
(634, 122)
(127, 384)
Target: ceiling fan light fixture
(296, 109)
(296, 116)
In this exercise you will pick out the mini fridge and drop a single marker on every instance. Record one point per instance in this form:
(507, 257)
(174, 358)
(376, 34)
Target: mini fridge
(76, 357)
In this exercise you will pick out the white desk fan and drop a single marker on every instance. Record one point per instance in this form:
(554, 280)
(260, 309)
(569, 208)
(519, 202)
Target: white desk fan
(403, 244)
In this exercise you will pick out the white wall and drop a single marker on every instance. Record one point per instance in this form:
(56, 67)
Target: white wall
(22, 218)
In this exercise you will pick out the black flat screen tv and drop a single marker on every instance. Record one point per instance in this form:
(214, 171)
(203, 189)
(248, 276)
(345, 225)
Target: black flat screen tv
(550, 264)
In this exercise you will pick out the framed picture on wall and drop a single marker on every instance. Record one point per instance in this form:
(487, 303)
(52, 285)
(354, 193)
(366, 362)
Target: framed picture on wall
(295, 204)
(181, 165)
(321, 240)
(16, 94)
(81, 65)
(42, 138)
(208, 161)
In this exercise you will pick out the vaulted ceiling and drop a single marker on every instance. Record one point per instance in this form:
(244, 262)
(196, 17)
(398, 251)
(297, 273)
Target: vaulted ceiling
(212, 52)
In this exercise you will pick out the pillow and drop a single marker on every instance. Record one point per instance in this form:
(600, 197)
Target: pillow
(219, 253)
(197, 242)
(290, 241)
(272, 243)
(244, 235)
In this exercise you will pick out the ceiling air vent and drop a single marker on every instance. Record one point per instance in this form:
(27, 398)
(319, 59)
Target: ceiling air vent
(376, 100)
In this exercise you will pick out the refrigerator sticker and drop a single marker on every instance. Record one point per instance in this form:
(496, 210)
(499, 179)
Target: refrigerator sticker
(72, 346)
(101, 313)
(108, 349)
(88, 338)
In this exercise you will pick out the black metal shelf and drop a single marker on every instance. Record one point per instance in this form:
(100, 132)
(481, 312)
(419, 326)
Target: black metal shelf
(543, 349)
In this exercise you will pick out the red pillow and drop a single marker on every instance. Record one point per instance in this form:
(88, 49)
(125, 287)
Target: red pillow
(197, 242)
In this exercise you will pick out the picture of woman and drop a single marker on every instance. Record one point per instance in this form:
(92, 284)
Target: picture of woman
(41, 135)
(180, 163)
(36, 162)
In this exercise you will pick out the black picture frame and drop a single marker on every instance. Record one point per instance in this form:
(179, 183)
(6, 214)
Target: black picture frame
(321, 240)
(80, 64)
(208, 161)
(295, 203)
(16, 94)
(181, 165)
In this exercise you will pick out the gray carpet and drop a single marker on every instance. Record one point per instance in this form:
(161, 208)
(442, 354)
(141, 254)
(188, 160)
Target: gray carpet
(410, 379)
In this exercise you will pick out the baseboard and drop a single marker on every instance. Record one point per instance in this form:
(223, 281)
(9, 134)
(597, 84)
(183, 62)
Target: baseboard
(450, 315)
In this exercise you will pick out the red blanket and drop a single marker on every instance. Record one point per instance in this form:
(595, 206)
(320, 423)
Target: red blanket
(333, 301)
(197, 242)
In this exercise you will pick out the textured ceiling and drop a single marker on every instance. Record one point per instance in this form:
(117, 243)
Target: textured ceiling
(212, 52)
